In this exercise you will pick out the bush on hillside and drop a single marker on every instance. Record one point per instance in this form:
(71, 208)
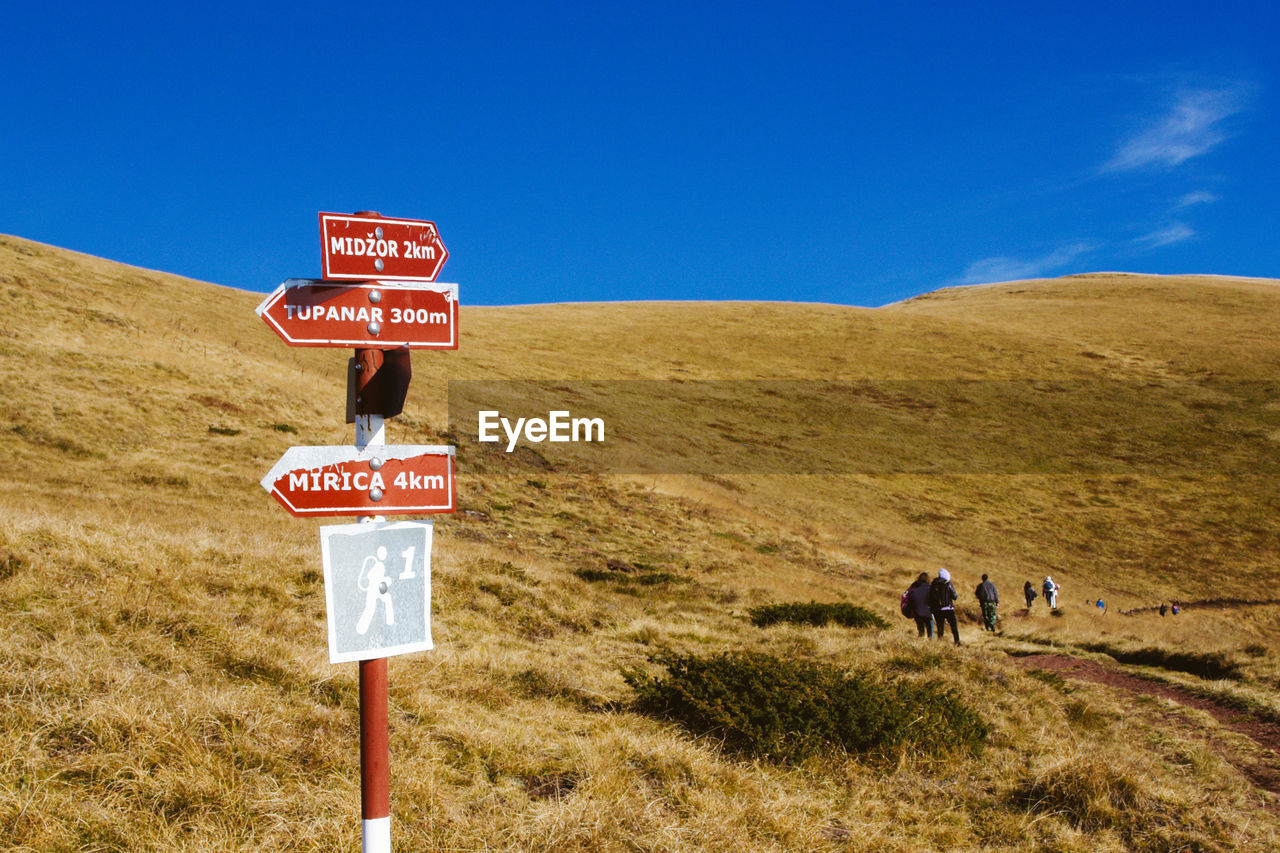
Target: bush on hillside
(813, 613)
(759, 706)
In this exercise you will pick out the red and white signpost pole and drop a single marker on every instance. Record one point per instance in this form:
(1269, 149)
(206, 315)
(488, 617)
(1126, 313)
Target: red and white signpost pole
(375, 748)
(378, 295)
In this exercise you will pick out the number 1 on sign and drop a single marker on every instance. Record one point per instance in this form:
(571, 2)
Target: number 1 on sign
(408, 573)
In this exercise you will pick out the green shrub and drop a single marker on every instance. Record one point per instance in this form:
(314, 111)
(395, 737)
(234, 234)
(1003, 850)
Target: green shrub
(643, 579)
(759, 706)
(813, 613)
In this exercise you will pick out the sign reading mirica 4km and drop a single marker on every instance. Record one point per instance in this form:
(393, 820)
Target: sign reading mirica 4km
(354, 247)
(376, 480)
(382, 314)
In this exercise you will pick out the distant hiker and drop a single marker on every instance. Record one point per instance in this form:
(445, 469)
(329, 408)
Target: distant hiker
(1030, 592)
(1164, 608)
(1175, 608)
(918, 597)
(942, 602)
(989, 600)
(1102, 606)
(1050, 588)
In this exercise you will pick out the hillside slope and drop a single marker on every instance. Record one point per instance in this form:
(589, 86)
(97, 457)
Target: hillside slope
(166, 683)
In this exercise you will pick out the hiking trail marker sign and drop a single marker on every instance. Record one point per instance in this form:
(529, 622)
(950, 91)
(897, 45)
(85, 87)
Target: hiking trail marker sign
(375, 480)
(377, 296)
(307, 312)
(377, 588)
(360, 247)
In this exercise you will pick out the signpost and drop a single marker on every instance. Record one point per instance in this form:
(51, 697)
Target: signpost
(364, 247)
(385, 314)
(374, 480)
(377, 575)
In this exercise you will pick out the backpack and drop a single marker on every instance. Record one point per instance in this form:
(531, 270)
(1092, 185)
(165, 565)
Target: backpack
(1048, 587)
(908, 609)
(941, 594)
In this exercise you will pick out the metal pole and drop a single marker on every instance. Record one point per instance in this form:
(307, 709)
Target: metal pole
(375, 749)
(375, 759)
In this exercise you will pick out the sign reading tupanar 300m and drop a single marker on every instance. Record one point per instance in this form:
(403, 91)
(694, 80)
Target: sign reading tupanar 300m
(384, 314)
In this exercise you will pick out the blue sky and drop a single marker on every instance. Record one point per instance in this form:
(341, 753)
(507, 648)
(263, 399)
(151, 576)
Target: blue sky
(832, 152)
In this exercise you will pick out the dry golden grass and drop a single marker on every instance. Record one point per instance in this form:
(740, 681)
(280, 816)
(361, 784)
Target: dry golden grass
(164, 681)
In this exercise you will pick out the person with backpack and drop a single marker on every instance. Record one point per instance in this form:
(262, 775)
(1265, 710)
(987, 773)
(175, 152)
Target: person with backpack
(988, 600)
(1051, 592)
(915, 603)
(942, 603)
(1029, 592)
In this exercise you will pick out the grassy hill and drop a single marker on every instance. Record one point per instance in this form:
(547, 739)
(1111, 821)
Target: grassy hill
(166, 684)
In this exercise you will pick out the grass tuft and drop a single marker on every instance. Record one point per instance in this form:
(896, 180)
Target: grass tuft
(817, 614)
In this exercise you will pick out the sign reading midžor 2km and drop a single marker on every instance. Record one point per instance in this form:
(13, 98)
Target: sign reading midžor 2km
(381, 314)
(368, 247)
(377, 480)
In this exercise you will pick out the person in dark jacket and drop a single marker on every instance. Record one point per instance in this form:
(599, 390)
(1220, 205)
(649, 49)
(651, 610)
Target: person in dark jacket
(1030, 592)
(942, 603)
(918, 593)
(989, 600)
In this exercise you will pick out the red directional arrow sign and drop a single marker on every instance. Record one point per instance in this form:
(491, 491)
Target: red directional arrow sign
(378, 480)
(380, 314)
(366, 247)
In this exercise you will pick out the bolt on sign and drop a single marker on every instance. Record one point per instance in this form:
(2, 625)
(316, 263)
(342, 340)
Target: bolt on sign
(377, 588)
(368, 247)
(383, 314)
(376, 480)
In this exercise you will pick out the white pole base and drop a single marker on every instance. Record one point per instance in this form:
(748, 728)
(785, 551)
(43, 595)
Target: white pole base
(375, 835)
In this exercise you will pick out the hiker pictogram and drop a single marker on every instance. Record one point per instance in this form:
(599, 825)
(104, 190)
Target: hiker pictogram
(376, 586)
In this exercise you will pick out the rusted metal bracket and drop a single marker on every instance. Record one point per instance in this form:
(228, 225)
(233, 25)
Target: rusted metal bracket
(378, 382)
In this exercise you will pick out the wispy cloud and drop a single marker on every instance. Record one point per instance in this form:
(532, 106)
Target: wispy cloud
(1192, 126)
(1012, 269)
(1198, 197)
(1174, 232)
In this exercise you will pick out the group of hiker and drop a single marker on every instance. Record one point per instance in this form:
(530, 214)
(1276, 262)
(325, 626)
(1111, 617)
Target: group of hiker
(933, 603)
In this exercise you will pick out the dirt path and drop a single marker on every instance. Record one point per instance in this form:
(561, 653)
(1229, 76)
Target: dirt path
(1264, 772)
(1185, 605)
(1216, 603)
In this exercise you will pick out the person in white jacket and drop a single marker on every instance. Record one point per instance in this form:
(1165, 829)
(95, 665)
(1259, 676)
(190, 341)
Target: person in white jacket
(942, 598)
(1051, 589)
